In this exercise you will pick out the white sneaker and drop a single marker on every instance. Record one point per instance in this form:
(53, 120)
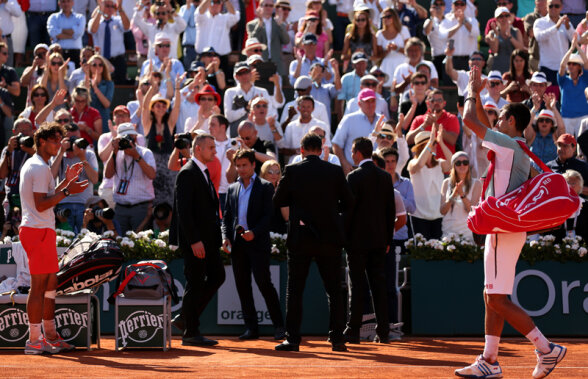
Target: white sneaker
(547, 362)
(480, 369)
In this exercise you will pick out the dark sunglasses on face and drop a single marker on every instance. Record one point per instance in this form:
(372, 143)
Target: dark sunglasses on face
(260, 106)
(257, 50)
(97, 65)
(268, 5)
(312, 19)
(370, 84)
(503, 16)
(419, 83)
(56, 63)
(459, 4)
(110, 6)
(207, 99)
(361, 20)
(474, 59)
(64, 120)
(462, 163)
(380, 75)
(161, 13)
(387, 16)
(386, 136)
(494, 84)
(39, 94)
(501, 4)
(164, 45)
(556, 6)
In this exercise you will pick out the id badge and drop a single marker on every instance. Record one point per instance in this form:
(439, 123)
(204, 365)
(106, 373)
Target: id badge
(123, 187)
(13, 179)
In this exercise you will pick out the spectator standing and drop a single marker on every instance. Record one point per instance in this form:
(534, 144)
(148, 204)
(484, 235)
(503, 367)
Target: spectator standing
(88, 118)
(270, 31)
(101, 88)
(218, 126)
(460, 77)
(37, 17)
(208, 102)
(529, 20)
(411, 15)
(415, 52)
(140, 39)
(271, 171)
(78, 76)
(463, 30)
(133, 175)
(325, 92)
(6, 111)
(8, 76)
(351, 82)
(503, 39)
(69, 154)
(566, 149)
(163, 57)
(217, 26)
(187, 12)
(53, 77)
(39, 99)
(513, 20)
(371, 82)
(32, 73)
(311, 24)
(538, 84)
(391, 40)
(437, 40)
(301, 65)
(459, 193)
(575, 10)
(360, 38)
(343, 8)
(303, 87)
(574, 104)
(67, 28)
(553, 34)
(107, 30)
(417, 103)
(495, 87)
(543, 133)
(8, 10)
(426, 175)
(264, 150)
(516, 78)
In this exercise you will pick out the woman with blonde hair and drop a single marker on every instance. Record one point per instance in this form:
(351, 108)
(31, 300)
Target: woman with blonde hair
(53, 77)
(39, 99)
(391, 40)
(101, 87)
(360, 37)
(459, 193)
(271, 171)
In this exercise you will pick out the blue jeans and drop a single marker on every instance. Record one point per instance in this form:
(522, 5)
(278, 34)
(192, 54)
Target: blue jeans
(37, 24)
(76, 216)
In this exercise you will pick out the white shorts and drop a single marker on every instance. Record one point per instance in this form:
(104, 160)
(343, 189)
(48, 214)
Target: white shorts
(501, 253)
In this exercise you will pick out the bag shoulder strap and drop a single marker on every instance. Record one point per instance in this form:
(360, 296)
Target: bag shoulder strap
(122, 286)
(535, 158)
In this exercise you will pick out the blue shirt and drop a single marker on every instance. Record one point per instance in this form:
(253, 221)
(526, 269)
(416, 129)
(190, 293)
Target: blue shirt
(349, 86)
(187, 13)
(353, 125)
(325, 93)
(544, 147)
(305, 69)
(177, 68)
(573, 99)
(243, 202)
(404, 186)
(107, 89)
(59, 21)
(42, 6)
(410, 19)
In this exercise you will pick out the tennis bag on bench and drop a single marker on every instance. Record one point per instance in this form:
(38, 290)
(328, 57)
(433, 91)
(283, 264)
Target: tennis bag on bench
(88, 263)
(539, 204)
(147, 280)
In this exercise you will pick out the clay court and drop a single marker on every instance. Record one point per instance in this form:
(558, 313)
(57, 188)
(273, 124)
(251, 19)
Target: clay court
(410, 358)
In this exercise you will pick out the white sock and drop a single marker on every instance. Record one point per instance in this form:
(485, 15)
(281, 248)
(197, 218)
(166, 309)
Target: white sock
(49, 329)
(490, 353)
(538, 339)
(35, 332)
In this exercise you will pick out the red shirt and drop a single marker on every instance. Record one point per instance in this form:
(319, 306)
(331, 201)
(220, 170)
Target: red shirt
(450, 123)
(89, 116)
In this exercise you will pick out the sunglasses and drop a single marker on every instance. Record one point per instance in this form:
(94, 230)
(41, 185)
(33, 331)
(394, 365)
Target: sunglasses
(83, 100)
(501, 4)
(439, 101)
(419, 83)
(161, 13)
(545, 120)
(312, 19)
(495, 84)
(164, 45)
(440, 5)
(39, 94)
(268, 5)
(260, 106)
(63, 120)
(474, 59)
(386, 136)
(257, 50)
(110, 6)
(459, 4)
(273, 172)
(146, 84)
(492, 112)
(387, 16)
(56, 63)
(380, 75)
(370, 84)
(556, 6)
(243, 72)
(462, 163)
(207, 99)
(97, 65)
(361, 20)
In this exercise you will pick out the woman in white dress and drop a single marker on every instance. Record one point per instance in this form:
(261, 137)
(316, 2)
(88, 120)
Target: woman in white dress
(459, 193)
(391, 40)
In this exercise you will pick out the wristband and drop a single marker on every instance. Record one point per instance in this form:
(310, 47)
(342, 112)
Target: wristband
(65, 192)
(463, 197)
(139, 159)
(470, 98)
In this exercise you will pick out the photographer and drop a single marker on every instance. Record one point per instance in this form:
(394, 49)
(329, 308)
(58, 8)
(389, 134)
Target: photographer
(132, 168)
(19, 149)
(73, 150)
(181, 152)
(98, 217)
(13, 219)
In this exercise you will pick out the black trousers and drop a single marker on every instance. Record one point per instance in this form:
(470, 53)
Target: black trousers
(328, 260)
(428, 228)
(203, 279)
(246, 261)
(73, 55)
(370, 263)
(119, 76)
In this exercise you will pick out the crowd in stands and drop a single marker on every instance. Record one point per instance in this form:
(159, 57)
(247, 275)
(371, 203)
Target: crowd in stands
(382, 69)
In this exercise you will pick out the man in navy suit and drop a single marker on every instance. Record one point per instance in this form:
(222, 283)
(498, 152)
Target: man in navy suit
(245, 228)
(196, 228)
(370, 228)
(317, 194)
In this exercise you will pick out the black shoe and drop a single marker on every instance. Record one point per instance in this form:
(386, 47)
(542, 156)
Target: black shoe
(179, 323)
(351, 337)
(249, 335)
(198, 341)
(378, 339)
(339, 347)
(280, 333)
(286, 346)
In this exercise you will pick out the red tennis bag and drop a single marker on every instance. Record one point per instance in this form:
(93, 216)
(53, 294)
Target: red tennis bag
(541, 203)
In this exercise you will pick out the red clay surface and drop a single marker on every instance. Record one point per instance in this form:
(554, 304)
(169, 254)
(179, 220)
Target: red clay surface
(410, 358)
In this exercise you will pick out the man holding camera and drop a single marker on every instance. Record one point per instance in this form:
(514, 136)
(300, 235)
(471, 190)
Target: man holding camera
(98, 217)
(132, 168)
(14, 155)
(73, 150)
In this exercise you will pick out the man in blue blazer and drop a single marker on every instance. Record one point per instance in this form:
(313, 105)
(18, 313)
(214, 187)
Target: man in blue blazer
(245, 229)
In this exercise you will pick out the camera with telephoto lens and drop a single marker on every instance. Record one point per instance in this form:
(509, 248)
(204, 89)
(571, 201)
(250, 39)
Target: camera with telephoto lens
(106, 213)
(125, 142)
(239, 102)
(22, 140)
(79, 142)
(63, 212)
(183, 141)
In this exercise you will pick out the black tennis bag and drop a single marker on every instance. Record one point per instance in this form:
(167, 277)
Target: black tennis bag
(88, 263)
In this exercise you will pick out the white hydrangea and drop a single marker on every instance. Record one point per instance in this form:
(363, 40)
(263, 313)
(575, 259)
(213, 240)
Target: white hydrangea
(67, 241)
(444, 239)
(533, 243)
(108, 233)
(159, 243)
(275, 249)
(420, 244)
(549, 238)
(127, 242)
(582, 252)
(7, 240)
(59, 239)
(83, 232)
(164, 234)
(450, 248)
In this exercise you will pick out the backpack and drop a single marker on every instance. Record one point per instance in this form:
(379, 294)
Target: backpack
(539, 204)
(147, 280)
(88, 263)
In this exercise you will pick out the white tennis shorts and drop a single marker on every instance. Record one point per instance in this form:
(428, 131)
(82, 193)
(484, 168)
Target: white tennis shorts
(501, 253)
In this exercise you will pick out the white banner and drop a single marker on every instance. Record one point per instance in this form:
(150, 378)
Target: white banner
(229, 306)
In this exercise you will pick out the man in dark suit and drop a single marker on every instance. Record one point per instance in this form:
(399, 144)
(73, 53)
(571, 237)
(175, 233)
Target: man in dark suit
(370, 227)
(245, 227)
(257, 28)
(317, 194)
(196, 227)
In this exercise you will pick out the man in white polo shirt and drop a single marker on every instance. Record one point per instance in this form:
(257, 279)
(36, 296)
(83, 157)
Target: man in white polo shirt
(39, 195)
